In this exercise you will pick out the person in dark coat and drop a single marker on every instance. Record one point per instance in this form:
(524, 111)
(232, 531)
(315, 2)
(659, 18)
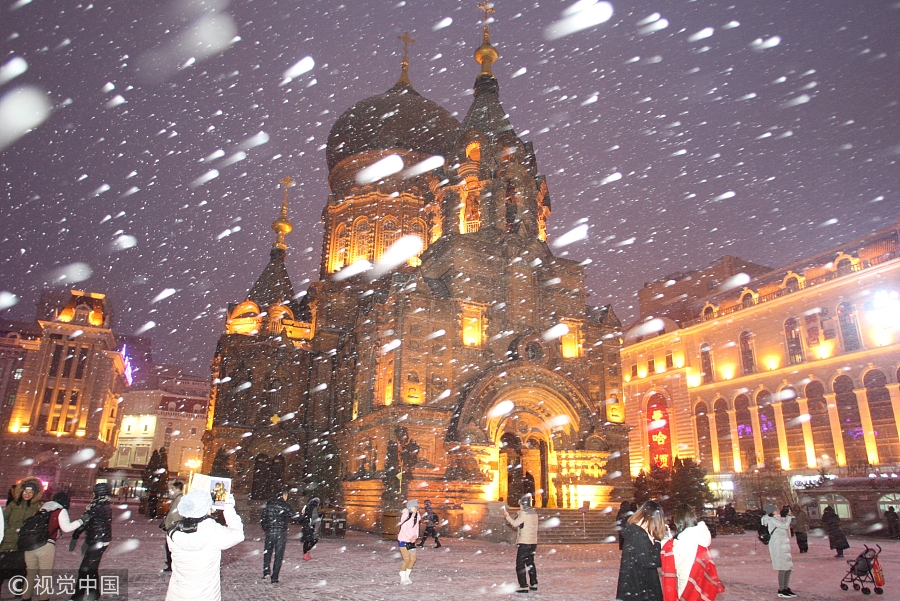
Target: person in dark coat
(801, 528)
(310, 520)
(836, 538)
(893, 522)
(97, 524)
(639, 568)
(431, 521)
(26, 502)
(625, 512)
(274, 521)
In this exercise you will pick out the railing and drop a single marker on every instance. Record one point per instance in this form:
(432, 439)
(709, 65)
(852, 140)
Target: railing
(472, 226)
(809, 282)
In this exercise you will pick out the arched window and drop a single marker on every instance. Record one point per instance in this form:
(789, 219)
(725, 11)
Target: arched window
(704, 442)
(708, 313)
(747, 300)
(792, 284)
(723, 436)
(768, 430)
(362, 241)
(891, 499)
(820, 424)
(706, 364)
(390, 232)
(849, 327)
(839, 503)
(879, 399)
(793, 341)
(417, 228)
(793, 427)
(851, 424)
(748, 357)
(274, 397)
(339, 255)
(844, 265)
(745, 432)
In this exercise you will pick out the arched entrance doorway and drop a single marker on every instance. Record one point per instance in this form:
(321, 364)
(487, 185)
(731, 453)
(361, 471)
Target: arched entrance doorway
(525, 469)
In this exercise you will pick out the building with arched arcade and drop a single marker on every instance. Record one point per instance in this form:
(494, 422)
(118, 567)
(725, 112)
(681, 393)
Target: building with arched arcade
(790, 371)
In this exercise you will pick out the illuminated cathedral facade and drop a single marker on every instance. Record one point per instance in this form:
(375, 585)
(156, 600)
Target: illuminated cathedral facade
(467, 370)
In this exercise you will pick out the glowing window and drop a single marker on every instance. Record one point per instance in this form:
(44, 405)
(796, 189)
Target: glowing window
(571, 343)
(472, 325)
(473, 151)
(362, 242)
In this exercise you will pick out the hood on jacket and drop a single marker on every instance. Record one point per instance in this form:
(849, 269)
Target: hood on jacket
(51, 506)
(696, 535)
(34, 483)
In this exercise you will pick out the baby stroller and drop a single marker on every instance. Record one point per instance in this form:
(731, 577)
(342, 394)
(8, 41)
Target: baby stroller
(863, 570)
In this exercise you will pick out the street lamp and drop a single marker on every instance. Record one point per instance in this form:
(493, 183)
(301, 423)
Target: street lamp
(193, 464)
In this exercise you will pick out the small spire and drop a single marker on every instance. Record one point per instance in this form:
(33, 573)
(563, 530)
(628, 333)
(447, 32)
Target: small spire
(486, 54)
(404, 72)
(281, 225)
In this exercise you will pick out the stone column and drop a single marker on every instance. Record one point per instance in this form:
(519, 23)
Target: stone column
(757, 435)
(895, 405)
(735, 441)
(782, 437)
(808, 442)
(840, 454)
(868, 430)
(714, 439)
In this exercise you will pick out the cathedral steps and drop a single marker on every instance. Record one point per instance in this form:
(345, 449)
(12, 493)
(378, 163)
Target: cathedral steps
(573, 526)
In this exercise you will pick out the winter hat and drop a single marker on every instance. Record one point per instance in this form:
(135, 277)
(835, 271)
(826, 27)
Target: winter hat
(195, 504)
(32, 485)
(427, 503)
(525, 501)
(769, 508)
(102, 490)
(61, 498)
(412, 504)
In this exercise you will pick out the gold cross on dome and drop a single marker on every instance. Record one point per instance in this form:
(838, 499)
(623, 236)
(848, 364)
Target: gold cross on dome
(275, 419)
(487, 7)
(287, 182)
(406, 42)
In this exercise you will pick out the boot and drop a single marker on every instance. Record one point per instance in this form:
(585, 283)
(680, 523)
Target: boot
(437, 544)
(306, 556)
(406, 572)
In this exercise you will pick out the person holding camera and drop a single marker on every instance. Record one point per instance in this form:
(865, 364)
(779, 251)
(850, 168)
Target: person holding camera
(526, 525)
(407, 538)
(779, 527)
(431, 523)
(97, 526)
(176, 492)
(197, 542)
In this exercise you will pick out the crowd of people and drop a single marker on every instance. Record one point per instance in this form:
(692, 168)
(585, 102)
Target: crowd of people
(663, 559)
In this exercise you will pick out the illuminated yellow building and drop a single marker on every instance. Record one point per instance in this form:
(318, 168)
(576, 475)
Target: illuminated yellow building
(62, 420)
(468, 370)
(793, 369)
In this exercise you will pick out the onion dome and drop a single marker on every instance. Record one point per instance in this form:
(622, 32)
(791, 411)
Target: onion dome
(399, 118)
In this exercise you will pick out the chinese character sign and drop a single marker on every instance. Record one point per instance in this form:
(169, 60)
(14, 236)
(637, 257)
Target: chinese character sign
(658, 432)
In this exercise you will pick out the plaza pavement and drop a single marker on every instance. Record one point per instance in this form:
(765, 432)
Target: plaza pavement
(364, 567)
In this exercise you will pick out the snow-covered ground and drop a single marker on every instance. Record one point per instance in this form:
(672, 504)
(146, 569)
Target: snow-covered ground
(363, 567)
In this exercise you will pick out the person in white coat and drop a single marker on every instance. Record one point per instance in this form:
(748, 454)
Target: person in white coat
(197, 542)
(779, 527)
(526, 525)
(40, 561)
(690, 533)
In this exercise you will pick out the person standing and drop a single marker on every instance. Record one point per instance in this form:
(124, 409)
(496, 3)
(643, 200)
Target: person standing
(26, 496)
(780, 546)
(407, 537)
(40, 560)
(96, 521)
(621, 518)
(638, 570)
(274, 521)
(526, 525)
(836, 538)
(801, 528)
(311, 521)
(689, 573)
(893, 522)
(431, 521)
(197, 542)
(172, 516)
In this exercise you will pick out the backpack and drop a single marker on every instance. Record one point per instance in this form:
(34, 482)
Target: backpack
(35, 531)
(763, 534)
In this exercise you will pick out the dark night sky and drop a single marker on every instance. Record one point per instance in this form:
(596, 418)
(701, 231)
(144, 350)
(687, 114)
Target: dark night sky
(768, 152)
